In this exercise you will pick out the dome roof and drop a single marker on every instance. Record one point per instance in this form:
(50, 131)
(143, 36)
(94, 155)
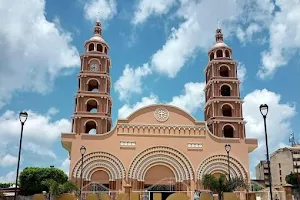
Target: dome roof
(220, 44)
(219, 40)
(97, 38)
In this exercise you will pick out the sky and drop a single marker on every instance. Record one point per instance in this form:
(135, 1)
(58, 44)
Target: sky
(158, 50)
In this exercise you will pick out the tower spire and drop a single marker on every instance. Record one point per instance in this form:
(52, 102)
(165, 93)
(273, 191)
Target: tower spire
(98, 28)
(219, 34)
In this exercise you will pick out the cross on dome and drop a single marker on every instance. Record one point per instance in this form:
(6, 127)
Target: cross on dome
(98, 28)
(219, 34)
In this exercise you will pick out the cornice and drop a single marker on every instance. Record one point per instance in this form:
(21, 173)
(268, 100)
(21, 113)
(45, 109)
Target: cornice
(89, 74)
(222, 61)
(234, 99)
(164, 130)
(100, 95)
(164, 126)
(88, 115)
(227, 120)
(94, 54)
(222, 80)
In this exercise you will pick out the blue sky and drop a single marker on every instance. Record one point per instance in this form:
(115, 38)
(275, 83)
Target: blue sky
(159, 47)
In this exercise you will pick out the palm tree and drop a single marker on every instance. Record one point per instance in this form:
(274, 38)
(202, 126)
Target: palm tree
(222, 184)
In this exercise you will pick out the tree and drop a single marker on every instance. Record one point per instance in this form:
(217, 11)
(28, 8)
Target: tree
(221, 184)
(56, 189)
(5, 185)
(293, 179)
(31, 179)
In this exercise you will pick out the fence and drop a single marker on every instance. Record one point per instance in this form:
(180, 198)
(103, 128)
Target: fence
(147, 195)
(112, 194)
(265, 195)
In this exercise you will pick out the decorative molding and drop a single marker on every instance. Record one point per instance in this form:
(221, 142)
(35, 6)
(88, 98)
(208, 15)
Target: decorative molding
(161, 130)
(219, 162)
(161, 114)
(194, 146)
(128, 144)
(173, 158)
(108, 161)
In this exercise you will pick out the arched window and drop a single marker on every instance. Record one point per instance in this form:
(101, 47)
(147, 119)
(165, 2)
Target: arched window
(225, 90)
(99, 48)
(227, 54)
(211, 56)
(224, 71)
(93, 85)
(208, 93)
(105, 50)
(92, 106)
(227, 111)
(90, 127)
(210, 127)
(228, 131)
(91, 47)
(219, 53)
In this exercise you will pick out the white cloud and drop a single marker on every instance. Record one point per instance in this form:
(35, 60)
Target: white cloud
(278, 122)
(100, 9)
(39, 150)
(146, 8)
(34, 51)
(65, 166)
(8, 160)
(241, 73)
(247, 35)
(196, 32)
(127, 109)
(191, 100)
(284, 39)
(40, 132)
(10, 177)
(131, 81)
(246, 19)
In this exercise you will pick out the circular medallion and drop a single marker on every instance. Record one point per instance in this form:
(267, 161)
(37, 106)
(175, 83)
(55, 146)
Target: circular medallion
(161, 114)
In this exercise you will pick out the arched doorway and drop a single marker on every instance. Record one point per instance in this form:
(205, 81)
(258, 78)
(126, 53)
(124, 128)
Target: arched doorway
(101, 177)
(160, 179)
(98, 183)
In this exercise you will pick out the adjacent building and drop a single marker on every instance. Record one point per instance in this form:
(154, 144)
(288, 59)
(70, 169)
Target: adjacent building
(282, 162)
(158, 147)
(262, 172)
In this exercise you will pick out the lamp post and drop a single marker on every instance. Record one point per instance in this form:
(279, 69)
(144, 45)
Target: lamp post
(82, 151)
(227, 149)
(264, 112)
(22, 117)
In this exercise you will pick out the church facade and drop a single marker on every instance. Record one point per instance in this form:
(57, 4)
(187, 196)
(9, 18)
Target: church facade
(157, 145)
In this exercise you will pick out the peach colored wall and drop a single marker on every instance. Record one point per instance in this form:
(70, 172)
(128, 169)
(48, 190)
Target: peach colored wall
(130, 129)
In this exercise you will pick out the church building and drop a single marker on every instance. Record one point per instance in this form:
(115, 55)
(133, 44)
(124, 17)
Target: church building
(158, 147)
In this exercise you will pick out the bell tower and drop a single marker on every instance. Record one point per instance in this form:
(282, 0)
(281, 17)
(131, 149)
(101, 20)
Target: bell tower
(92, 113)
(223, 108)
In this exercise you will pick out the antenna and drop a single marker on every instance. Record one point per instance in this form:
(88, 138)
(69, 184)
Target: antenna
(292, 139)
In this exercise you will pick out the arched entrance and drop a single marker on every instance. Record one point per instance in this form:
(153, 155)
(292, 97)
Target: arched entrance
(160, 168)
(159, 178)
(101, 177)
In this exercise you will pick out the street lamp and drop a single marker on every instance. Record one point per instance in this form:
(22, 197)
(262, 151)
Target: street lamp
(22, 117)
(264, 108)
(82, 151)
(227, 149)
